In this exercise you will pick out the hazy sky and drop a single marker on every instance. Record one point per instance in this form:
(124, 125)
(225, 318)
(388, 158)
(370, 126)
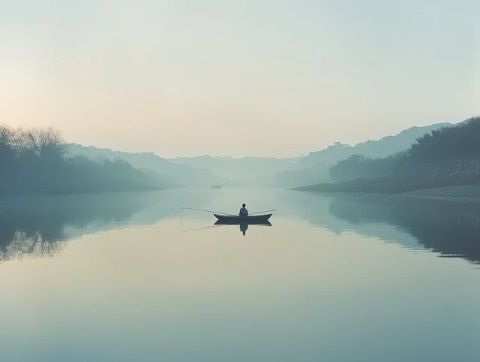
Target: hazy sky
(236, 77)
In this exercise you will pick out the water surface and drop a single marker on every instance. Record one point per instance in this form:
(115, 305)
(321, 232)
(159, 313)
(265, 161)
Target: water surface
(129, 277)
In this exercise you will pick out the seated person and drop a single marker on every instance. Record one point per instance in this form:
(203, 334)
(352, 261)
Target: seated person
(243, 211)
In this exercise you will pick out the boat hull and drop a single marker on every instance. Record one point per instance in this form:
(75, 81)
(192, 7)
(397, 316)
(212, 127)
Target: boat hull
(237, 220)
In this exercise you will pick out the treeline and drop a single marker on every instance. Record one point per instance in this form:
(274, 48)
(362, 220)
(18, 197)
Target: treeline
(451, 154)
(34, 161)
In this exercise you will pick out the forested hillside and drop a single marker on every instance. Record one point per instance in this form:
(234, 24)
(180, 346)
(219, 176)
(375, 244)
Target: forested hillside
(34, 161)
(314, 167)
(447, 152)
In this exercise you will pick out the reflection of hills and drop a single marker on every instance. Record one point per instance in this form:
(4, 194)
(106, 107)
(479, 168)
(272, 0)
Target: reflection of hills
(316, 208)
(38, 225)
(450, 228)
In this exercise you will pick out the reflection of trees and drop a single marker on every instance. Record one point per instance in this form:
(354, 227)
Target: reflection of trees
(39, 225)
(450, 228)
(36, 226)
(28, 244)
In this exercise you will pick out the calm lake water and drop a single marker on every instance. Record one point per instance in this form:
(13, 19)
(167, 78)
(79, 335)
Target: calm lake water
(128, 277)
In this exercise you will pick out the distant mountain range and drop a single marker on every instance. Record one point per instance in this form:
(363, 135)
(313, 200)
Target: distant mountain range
(314, 167)
(209, 170)
(383, 147)
(446, 157)
(172, 174)
(239, 171)
(446, 152)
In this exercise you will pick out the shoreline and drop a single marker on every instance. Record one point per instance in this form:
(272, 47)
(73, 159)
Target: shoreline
(464, 193)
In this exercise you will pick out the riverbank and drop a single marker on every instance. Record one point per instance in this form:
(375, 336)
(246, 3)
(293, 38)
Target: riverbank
(409, 188)
(458, 192)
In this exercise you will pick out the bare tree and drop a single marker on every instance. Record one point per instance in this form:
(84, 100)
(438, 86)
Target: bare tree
(41, 142)
(6, 136)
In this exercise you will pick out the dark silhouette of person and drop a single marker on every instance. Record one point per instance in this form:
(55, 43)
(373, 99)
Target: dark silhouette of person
(243, 227)
(243, 211)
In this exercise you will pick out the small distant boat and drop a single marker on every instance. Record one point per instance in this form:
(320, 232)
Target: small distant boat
(216, 186)
(237, 220)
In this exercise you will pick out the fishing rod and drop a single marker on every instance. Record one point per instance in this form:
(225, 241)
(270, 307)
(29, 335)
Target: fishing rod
(261, 212)
(222, 213)
(209, 211)
(199, 228)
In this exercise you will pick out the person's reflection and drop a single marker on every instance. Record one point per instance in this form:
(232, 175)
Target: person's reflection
(243, 228)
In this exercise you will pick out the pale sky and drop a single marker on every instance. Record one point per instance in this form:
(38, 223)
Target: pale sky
(266, 78)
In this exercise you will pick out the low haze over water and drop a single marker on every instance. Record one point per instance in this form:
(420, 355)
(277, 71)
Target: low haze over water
(131, 277)
(131, 133)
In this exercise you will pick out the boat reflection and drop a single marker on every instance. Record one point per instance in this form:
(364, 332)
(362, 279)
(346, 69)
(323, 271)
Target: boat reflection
(243, 225)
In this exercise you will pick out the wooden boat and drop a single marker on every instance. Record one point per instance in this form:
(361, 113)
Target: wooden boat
(237, 220)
